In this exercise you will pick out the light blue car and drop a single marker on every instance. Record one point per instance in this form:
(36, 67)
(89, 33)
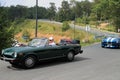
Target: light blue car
(111, 41)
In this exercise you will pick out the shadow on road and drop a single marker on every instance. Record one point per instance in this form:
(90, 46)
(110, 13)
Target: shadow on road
(61, 61)
(49, 63)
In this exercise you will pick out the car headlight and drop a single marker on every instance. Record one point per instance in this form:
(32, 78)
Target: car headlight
(2, 51)
(15, 54)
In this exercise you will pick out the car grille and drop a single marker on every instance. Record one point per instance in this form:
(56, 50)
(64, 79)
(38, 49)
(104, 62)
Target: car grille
(7, 56)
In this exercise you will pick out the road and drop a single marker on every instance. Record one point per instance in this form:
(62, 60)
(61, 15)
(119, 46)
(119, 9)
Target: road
(95, 63)
(93, 30)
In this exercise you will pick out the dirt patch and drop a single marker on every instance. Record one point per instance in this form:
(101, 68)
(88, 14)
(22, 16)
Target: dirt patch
(57, 38)
(103, 25)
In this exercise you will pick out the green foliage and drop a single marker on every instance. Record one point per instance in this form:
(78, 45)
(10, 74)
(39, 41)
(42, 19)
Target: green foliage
(39, 26)
(6, 37)
(98, 10)
(86, 7)
(18, 21)
(115, 8)
(65, 26)
(79, 20)
(108, 10)
(6, 32)
(21, 22)
(52, 11)
(65, 13)
(17, 12)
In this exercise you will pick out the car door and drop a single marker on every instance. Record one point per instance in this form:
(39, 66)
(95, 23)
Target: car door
(53, 51)
(57, 51)
(50, 52)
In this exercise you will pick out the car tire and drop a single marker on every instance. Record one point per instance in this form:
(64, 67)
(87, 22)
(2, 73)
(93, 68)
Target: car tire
(70, 56)
(29, 62)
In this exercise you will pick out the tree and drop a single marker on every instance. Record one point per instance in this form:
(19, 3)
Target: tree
(16, 12)
(42, 13)
(108, 10)
(86, 7)
(65, 13)
(114, 6)
(6, 32)
(52, 11)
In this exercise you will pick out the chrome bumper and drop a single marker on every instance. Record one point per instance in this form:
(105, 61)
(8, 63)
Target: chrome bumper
(7, 59)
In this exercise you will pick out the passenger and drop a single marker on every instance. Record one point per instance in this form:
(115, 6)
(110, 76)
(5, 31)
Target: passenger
(51, 41)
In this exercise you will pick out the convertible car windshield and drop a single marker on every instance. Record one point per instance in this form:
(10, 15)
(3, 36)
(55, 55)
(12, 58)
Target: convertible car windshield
(38, 42)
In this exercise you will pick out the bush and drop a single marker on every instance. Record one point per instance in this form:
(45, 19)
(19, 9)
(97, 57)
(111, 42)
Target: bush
(18, 21)
(6, 38)
(79, 20)
(65, 26)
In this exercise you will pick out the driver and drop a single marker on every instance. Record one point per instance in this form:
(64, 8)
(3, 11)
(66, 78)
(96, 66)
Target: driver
(51, 41)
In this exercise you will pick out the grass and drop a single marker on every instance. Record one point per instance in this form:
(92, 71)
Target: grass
(46, 29)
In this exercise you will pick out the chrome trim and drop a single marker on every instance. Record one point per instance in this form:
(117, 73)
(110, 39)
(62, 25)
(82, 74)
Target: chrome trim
(2, 51)
(15, 54)
(52, 58)
(7, 59)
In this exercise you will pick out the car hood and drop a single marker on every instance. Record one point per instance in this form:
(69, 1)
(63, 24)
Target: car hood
(20, 49)
(110, 39)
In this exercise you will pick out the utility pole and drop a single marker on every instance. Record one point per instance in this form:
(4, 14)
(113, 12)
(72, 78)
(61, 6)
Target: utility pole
(74, 29)
(74, 19)
(36, 18)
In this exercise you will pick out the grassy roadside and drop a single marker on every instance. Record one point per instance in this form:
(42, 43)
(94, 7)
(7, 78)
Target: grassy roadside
(46, 29)
(105, 26)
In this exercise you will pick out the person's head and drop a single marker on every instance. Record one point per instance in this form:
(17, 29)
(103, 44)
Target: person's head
(51, 39)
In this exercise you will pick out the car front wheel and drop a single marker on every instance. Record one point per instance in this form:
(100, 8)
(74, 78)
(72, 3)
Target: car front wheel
(29, 62)
(70, 56)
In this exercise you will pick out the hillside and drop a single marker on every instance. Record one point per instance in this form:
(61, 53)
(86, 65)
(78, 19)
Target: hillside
(49, 29)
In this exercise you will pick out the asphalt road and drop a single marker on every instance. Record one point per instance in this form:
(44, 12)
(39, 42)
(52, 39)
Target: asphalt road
(95, 63)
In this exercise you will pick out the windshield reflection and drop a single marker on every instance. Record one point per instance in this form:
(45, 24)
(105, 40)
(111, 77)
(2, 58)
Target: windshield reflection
(38, 42)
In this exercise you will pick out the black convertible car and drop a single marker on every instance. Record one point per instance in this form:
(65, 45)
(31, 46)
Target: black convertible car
(37, 50)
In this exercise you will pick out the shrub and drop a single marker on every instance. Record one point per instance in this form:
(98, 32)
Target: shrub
(6, 37)
(65, 26)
